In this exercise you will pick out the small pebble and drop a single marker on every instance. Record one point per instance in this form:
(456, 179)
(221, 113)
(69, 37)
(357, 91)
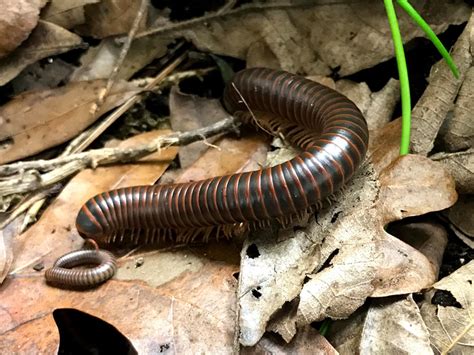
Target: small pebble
(139, 262)
(39, 266)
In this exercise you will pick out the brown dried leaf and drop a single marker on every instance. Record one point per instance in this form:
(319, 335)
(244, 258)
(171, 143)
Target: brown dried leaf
(29, 123)
(461, 166)
(343, 235)
(183, 117)
(315, 38)
(99, 62)
(110, 17)
(461, 219)
(17, 20)
(432, 108)
(66, 13)
(389, 326)
(452, 327)
(46, 40)
(159, 321)
(55, 233)
(458, 132)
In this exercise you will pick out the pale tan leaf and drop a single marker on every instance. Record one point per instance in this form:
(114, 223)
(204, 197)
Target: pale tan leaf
(66, 13)
(461, 166)
(46, 40)
(36, 121)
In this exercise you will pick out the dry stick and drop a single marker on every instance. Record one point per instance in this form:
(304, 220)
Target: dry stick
(123, 53)
(69, 165)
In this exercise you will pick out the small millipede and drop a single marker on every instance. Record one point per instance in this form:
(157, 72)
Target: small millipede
(330, 130)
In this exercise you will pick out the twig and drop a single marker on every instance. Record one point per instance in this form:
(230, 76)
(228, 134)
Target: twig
(65, 166)
(123, 53)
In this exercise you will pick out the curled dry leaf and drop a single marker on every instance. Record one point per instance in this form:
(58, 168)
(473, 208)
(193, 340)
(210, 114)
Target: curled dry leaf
(433, 106)
(458, 132)
(17, 19)
(386, 326)
(451, 326)
(317, 262)
(29, 123)
(46, 40)
(54, 234)
(314, 38)
(66, 13)
(110, 17)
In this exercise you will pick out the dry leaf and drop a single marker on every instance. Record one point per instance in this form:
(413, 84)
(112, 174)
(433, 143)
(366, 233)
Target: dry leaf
(458, 132)
(159, 322)
(55, 233)
(461, 167)
(433, 106)
(451, 327)
(315, 38)
(387, 326)
(17, 20)
(110, 17)
(99, 62)
(46, 40)
(461, 219)
(66, 13)
(29, 123)
(183, 117)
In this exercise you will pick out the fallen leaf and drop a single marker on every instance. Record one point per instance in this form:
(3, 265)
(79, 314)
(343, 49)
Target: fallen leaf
(183, 117)
(461, 166)
(17, 19)
(28, 123)
(345, 234)
(387, 326)
(54, 234)
(46, 40)
(110, 17)
(451, 326)
(313, 38)
(460, 218)
(431, 109)
(100, 61)
(66, 13)
(458, 132)
(159, 323)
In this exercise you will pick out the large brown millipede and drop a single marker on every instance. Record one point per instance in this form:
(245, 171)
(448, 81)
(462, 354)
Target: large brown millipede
(326, 125)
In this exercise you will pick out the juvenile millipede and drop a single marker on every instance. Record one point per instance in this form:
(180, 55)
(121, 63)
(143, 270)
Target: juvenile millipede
(327, 126)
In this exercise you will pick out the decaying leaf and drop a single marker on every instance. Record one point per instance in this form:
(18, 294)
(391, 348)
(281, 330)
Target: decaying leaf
(99, 62)
(110, 17)
(315, 38)
(461, 218)
(341, 236)
(461, 167)
(386, 326)
(458, 132)
(432, 108)
(66, 13)
(451, 326)
(30, 122)
(17, 20)
(183, 108)
(55, 234)
(47, 39)
(160, 323)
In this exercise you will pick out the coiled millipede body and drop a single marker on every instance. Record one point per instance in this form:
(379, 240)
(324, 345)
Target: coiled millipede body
(328, 127)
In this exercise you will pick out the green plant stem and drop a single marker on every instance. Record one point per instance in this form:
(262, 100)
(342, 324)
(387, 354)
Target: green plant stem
(405, 5)
(403, 76)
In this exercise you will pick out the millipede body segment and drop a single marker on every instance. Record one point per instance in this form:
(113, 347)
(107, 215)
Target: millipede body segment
(326, 125)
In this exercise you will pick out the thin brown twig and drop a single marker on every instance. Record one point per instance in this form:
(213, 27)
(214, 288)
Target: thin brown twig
(123, 53)
(66, 166)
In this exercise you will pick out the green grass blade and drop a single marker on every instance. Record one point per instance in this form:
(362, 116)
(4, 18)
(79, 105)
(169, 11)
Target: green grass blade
(403, 75)
(405, 5)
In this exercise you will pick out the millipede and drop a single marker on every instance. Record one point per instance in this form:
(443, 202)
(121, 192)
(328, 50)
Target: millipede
(328, 128)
